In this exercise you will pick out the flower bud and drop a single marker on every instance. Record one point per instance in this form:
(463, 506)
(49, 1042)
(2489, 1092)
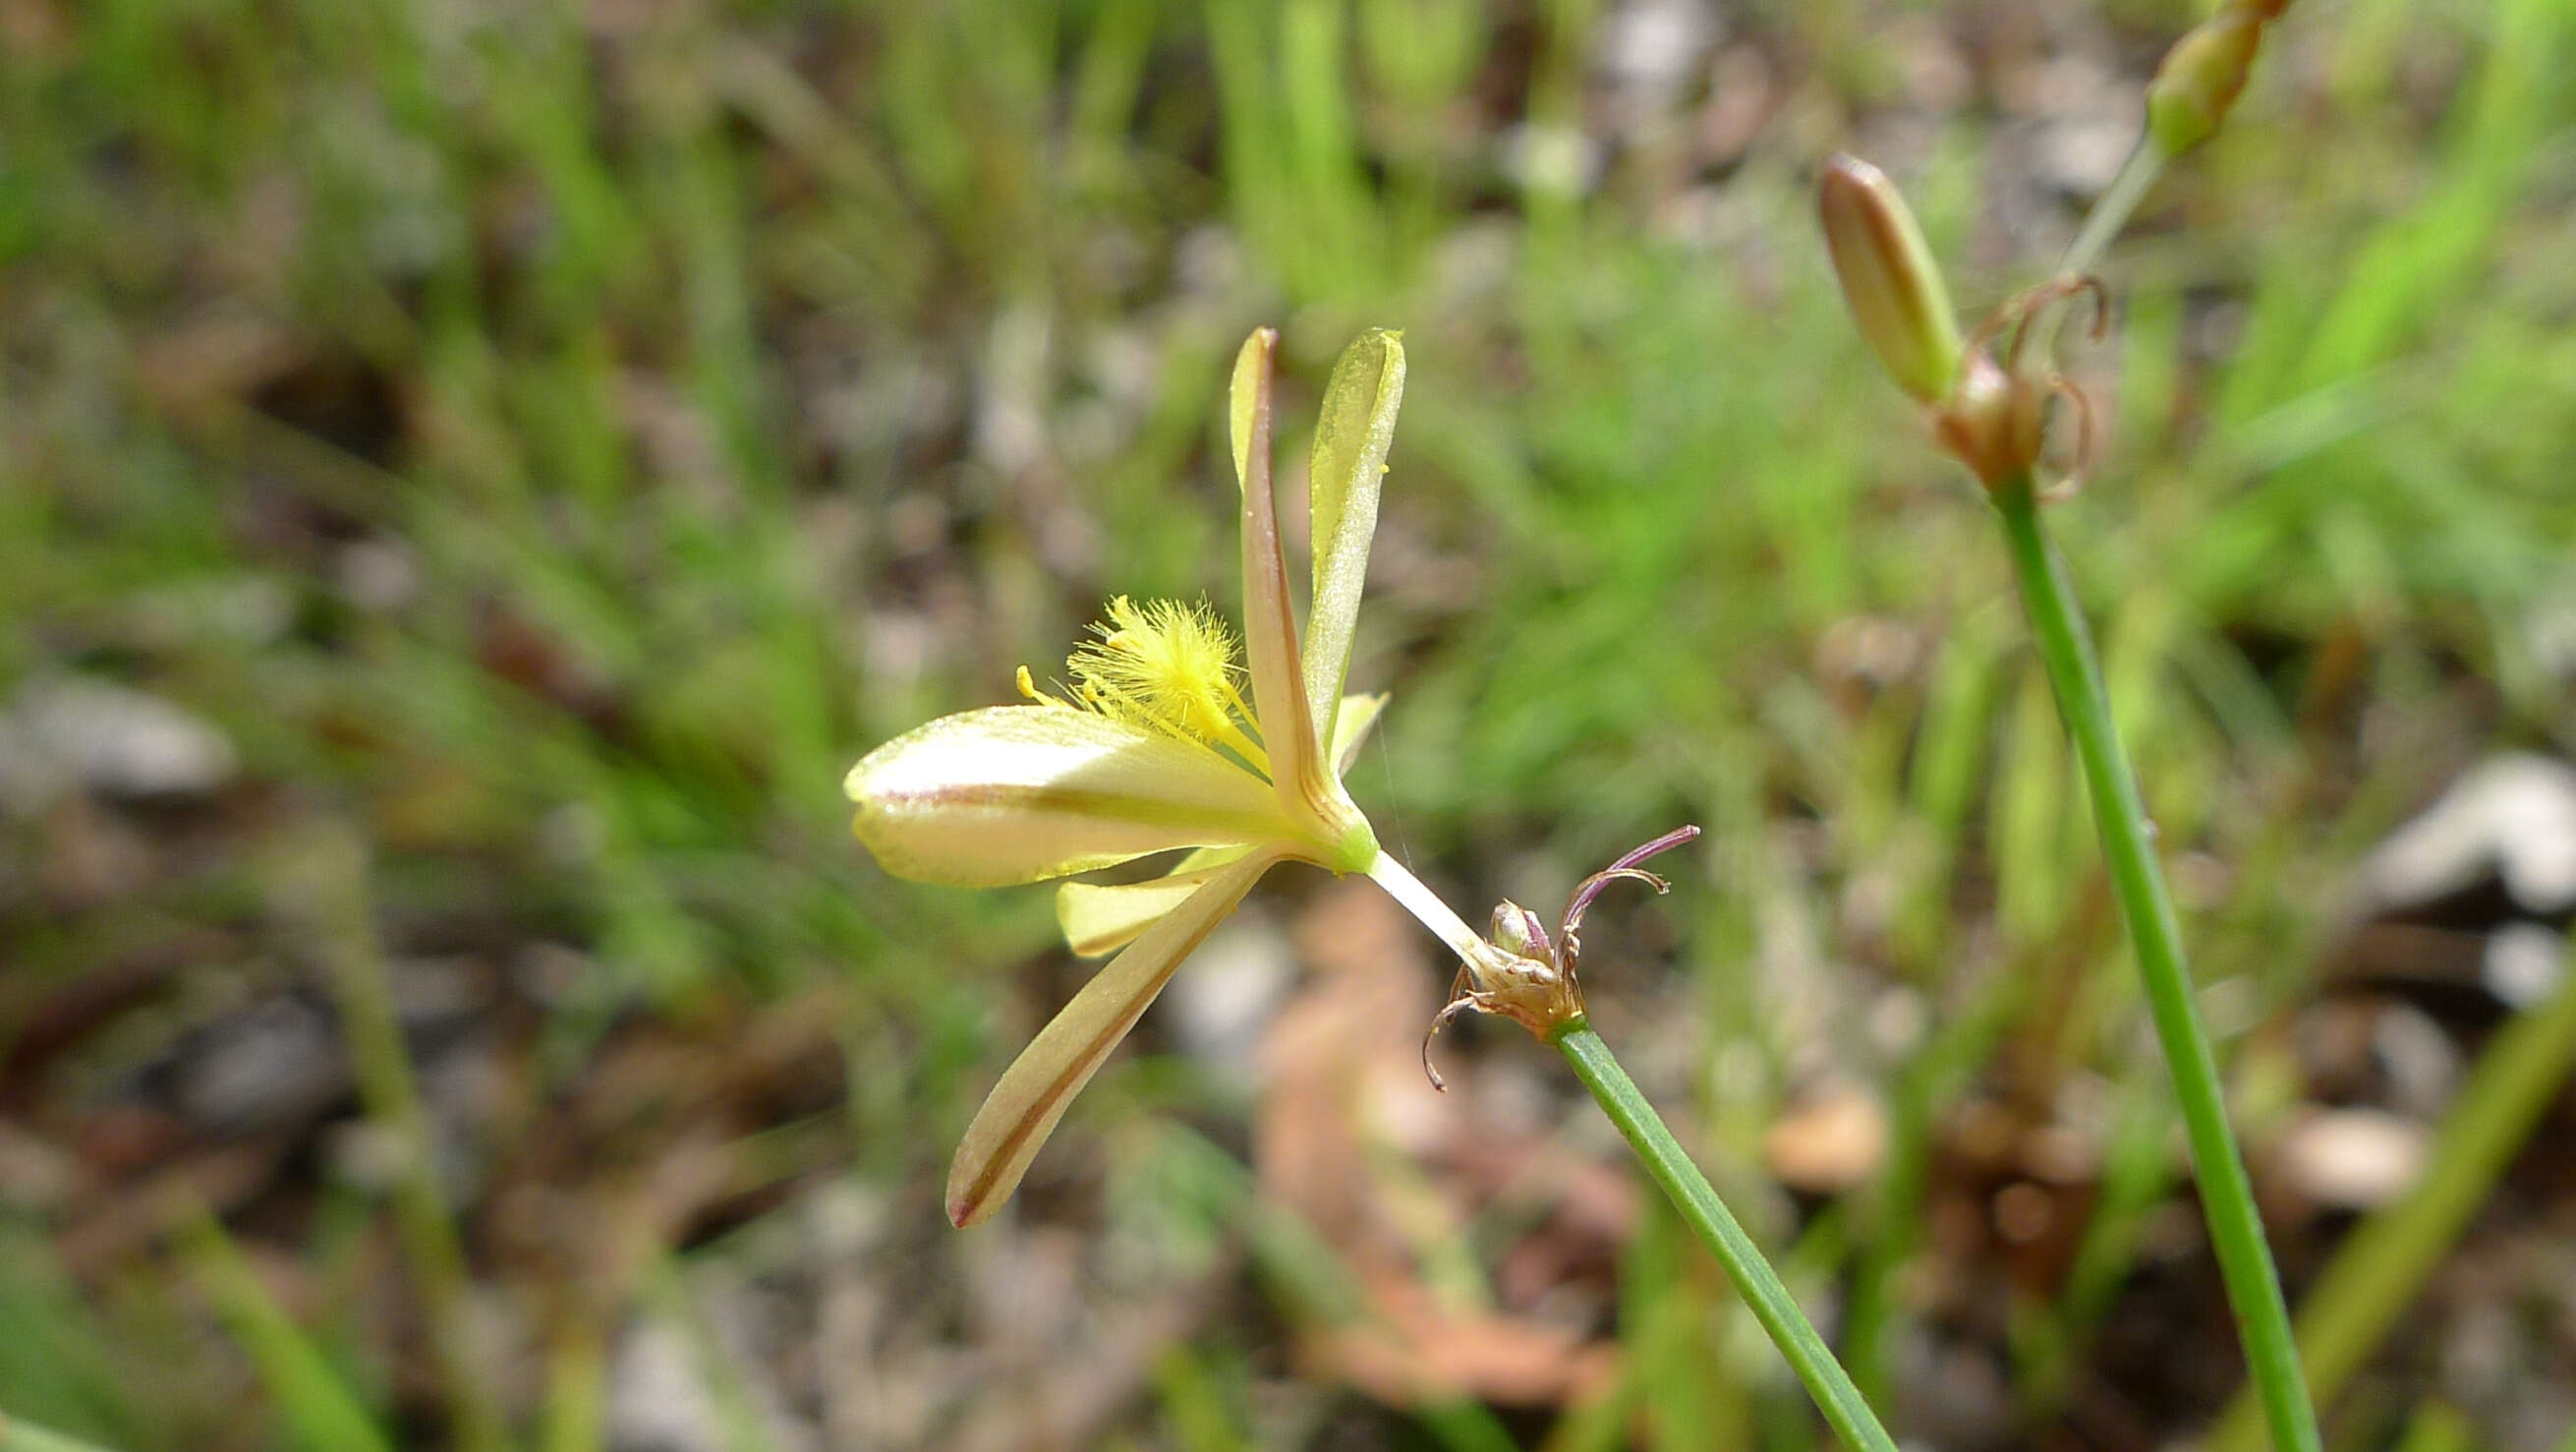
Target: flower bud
(1889, 280)
(1993, 422)
(1517, 931)
(2201, 76)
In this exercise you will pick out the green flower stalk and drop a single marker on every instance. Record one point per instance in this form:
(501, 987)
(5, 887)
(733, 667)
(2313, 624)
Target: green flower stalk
(1991, 420)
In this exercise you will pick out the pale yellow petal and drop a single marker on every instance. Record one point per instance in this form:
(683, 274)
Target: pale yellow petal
(1352, 435)
(1032, 1094)
(1248, 394)
(1019, 793)
(1351, 728)
(1099, 918)
(1269, 630)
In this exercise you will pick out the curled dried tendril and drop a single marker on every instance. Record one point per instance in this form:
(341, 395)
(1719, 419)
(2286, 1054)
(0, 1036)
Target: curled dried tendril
(2020, 309)
(1992, 419)
(1524, 975)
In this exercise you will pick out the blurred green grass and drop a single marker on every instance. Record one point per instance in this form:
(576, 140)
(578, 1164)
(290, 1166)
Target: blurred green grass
(554, 441)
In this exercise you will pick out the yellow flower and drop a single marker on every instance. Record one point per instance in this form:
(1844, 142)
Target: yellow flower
(1153, 746)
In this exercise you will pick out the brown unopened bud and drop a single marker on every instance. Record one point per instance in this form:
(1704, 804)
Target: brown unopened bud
(2201, 77)
(1994, 421)
(1518, 931)
(1889, 279)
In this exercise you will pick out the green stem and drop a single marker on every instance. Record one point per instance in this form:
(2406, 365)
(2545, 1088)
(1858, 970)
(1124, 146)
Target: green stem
(2378, 1273)
(332, 880)
(2112, 210)
(2226, 1196)
(1836, 1397)
(18, 1436)
(1845, 1409)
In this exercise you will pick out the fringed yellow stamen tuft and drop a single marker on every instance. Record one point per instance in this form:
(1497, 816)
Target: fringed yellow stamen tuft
(1170, 667)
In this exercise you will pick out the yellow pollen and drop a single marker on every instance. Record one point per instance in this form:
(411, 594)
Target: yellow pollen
(1169, 667)
(1029, 688)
